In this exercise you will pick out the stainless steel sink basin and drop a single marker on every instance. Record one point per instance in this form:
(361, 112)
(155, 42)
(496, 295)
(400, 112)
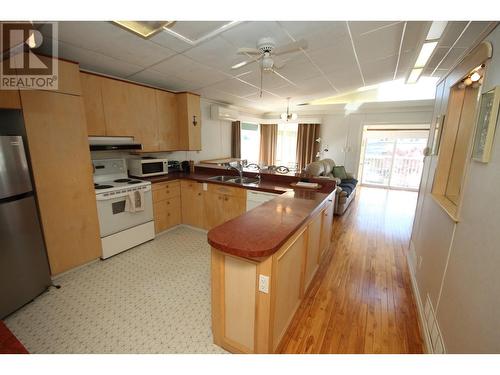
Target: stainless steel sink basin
(245, 180)
(234, 180)
(222, 178)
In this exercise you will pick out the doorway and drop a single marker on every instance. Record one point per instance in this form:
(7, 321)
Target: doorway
(393, 158)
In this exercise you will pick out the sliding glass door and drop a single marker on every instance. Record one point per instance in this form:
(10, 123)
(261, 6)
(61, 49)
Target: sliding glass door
(393, 158)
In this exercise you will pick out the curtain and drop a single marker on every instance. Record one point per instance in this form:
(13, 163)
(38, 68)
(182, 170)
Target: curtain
(268, 140)
(235, 140)
(307, 147)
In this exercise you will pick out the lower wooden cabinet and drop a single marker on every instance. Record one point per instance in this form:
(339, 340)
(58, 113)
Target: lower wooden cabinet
(10, 99)
(326, 228)
(166, 205)
(223, 203)
(193, 205)
(312, 257)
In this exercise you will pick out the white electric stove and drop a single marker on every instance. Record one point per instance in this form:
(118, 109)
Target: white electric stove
(121, 228)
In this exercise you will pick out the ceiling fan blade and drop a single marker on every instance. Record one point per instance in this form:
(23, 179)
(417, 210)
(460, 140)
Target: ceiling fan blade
(249, 51)
(242, 64)
(291, 47)
(283, 77)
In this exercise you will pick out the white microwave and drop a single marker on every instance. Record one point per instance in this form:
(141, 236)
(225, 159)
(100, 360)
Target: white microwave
(147, 167)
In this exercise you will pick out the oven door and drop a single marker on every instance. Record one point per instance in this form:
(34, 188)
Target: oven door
(113, 217)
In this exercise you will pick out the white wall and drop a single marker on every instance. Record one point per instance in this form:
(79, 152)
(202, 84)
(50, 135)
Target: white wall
(460, 261)
(343, 134)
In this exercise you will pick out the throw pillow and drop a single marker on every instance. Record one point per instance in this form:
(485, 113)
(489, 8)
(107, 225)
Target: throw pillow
(339, 172)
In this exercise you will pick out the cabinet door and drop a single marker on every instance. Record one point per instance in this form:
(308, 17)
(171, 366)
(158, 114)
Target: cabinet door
(234, 206)
(326, 229)
(62, 170)
(214, 209)
(313, 249)
(92, 100)
(130, 110)
(193, 212)
(167, 214)
(168, 128)
(189, 121)
(10, 99)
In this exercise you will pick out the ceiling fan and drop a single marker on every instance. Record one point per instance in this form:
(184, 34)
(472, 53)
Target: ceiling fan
(265, 52)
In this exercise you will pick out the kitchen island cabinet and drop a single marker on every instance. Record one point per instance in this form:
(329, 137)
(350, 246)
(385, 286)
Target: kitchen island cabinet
(262, 264)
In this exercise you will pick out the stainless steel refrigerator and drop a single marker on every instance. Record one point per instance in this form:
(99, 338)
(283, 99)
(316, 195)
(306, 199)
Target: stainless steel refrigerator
(24, 269)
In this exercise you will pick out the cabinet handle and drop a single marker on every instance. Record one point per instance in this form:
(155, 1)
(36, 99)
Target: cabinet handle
(195, 122)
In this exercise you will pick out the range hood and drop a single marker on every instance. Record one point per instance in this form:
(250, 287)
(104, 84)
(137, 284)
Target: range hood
(113, 144)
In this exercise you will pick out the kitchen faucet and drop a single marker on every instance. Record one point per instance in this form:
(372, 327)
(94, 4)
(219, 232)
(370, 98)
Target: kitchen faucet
(255, 166)
(239, 167)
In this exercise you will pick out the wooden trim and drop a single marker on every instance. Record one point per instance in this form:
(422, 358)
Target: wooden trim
(263, 308)
(448, 206)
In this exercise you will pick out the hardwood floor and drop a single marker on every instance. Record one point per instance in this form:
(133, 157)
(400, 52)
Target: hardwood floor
(361, 300)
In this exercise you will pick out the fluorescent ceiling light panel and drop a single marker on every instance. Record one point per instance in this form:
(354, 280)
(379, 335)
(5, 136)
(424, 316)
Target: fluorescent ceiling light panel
(145, 29)
(425, 54)
(414, 75)
(436, 30)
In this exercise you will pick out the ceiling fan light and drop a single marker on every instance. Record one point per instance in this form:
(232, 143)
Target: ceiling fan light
(475, 77)
(294, 116)
(284, 116)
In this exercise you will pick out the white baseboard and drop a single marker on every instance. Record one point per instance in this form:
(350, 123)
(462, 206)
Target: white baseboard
(420, 307)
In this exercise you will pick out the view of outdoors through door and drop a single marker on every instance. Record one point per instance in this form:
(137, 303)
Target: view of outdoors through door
(393, 158)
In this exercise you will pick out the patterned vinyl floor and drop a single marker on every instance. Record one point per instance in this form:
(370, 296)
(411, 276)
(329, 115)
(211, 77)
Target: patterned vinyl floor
(154, 298)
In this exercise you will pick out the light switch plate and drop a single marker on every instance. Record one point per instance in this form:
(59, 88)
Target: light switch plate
(205, 186)
(264, 284)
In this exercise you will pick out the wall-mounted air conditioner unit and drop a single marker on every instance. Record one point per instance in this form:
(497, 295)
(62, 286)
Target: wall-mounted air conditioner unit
(218, 112)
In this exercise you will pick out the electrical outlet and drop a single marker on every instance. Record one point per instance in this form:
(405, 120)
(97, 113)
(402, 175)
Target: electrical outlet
(264, 284)
(205, 186)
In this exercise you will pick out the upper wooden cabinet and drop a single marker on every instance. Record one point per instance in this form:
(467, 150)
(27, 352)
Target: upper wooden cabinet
(10, 99)
(189, 121)
(168, 129)
(92, 100)
(159, 120)
(130, 110)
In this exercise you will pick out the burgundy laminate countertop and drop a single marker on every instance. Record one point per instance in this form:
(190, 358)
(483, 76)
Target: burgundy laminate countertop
(262, 231)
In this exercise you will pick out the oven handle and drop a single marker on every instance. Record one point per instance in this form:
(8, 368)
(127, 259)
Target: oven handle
(113, 195)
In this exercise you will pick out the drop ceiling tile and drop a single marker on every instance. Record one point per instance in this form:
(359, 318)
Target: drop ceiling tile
(379, 71)
(248, 33)
(216, 53)
(453, 57)
(339, 55)
(112, 41)
(346, 80)
(96, 62)
(189, 70)
(379, 44)
(171, 83)
(451, 33)
(167, 40)
(471, 35)
(235, 87)
(319, 34)
(270, 80)
(194, 30)
(367, 27)
(299, 68)
(318, 85)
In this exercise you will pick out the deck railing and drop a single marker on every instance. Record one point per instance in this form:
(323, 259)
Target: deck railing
(406, 172)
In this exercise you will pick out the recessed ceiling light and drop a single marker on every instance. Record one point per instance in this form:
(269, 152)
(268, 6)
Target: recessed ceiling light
(425, 54)
(436, 30)
(145, 29)
(414, 75)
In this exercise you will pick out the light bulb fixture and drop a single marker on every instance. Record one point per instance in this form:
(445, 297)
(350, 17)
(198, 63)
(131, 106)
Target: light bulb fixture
(286, 116)
(475, 77)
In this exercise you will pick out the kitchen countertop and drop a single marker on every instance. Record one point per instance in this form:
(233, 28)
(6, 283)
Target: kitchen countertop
(262, 231)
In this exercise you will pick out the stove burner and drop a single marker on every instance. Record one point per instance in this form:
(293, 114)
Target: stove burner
(134, 182)
(123, 180)
(98, 187)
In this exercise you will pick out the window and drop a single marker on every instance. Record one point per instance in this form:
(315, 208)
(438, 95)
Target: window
(286, 147)
(250, 142)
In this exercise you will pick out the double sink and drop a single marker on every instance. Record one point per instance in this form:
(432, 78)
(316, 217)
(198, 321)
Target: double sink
(235, 180)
